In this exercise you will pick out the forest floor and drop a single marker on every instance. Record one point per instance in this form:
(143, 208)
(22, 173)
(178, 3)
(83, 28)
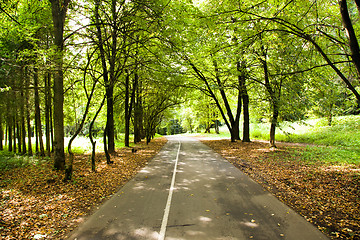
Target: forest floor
(35, 203)
(326, 194)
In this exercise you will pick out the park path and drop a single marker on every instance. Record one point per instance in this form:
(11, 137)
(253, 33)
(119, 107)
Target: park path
(189, 192)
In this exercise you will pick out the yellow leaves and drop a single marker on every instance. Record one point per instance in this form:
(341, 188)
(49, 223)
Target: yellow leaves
(326, 194)
(39, 203)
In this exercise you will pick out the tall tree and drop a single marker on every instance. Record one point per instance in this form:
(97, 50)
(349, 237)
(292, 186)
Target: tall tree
(38, 125)
(59, 9)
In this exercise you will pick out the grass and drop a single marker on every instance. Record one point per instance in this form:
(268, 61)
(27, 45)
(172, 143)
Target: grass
(339, 143)
(343, 132)
(9, 160)
(336, 144)
(81, 145)
(327, 155)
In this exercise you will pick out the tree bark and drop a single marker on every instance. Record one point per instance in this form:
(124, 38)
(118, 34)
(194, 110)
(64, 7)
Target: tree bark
(246, 115)
(28, 117)
(47, 112)
(129, 107)
(137, 137)
(112, 75)
(29, 133)
(9, 130)
(245, 101)
(108, 159)
(22, 112)
(58, 9)
(358, 5)
(127, 111)
(93, 142)
(274, 121)
(38, 126)
(14, 133)
(273, 99)
(1, 133)
(353, 42)
(9, 122)
(18, 134)
(109, 88)
(138, 115)
(110, 119)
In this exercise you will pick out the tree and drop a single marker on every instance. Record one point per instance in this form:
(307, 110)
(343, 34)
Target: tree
(59, 9)
(312, 33)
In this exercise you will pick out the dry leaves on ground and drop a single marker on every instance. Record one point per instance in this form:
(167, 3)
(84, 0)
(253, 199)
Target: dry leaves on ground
(326, 195)
(37, 204)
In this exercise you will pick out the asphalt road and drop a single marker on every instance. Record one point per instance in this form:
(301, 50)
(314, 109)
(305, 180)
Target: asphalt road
(189, 192)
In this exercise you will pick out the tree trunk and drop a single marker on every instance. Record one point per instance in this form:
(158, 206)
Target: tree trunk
(28, 117)
(29, 133)
(10, 142)
(245, 101)
(110, 91)
(274, 120)
(18, 135)
(58, 9)
(127, 111)
(23, 132)
(273, 99)
(38, 126)
(14, 133)
(217, 130)
(9, 122)
(353, 42)
(137, 134)
(47, 112)
(51, 129)
(110, 119)
(358, 5)
(109, 88)
(22, 112)
(108, 159)
(138, 115)
(129, 107)
(236, 131)
(1, 133)
(93, 142)
(246, 123)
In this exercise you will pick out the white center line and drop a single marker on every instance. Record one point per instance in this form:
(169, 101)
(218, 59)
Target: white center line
(168, 203)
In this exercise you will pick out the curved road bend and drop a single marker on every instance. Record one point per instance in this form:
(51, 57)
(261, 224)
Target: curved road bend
(205, 198)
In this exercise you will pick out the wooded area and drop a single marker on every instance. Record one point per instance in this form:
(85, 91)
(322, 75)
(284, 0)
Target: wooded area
(105, 68)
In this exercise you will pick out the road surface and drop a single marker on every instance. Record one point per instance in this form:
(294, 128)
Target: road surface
(189, 192)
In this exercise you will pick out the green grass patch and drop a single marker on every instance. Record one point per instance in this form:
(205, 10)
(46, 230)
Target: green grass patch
(324, 155)
(9, 160)
(344, 132)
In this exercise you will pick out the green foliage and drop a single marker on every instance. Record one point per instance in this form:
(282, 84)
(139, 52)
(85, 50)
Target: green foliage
(9, 160)
(160, 40)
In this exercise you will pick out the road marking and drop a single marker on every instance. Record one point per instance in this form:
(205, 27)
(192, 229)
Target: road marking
(168, 203)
